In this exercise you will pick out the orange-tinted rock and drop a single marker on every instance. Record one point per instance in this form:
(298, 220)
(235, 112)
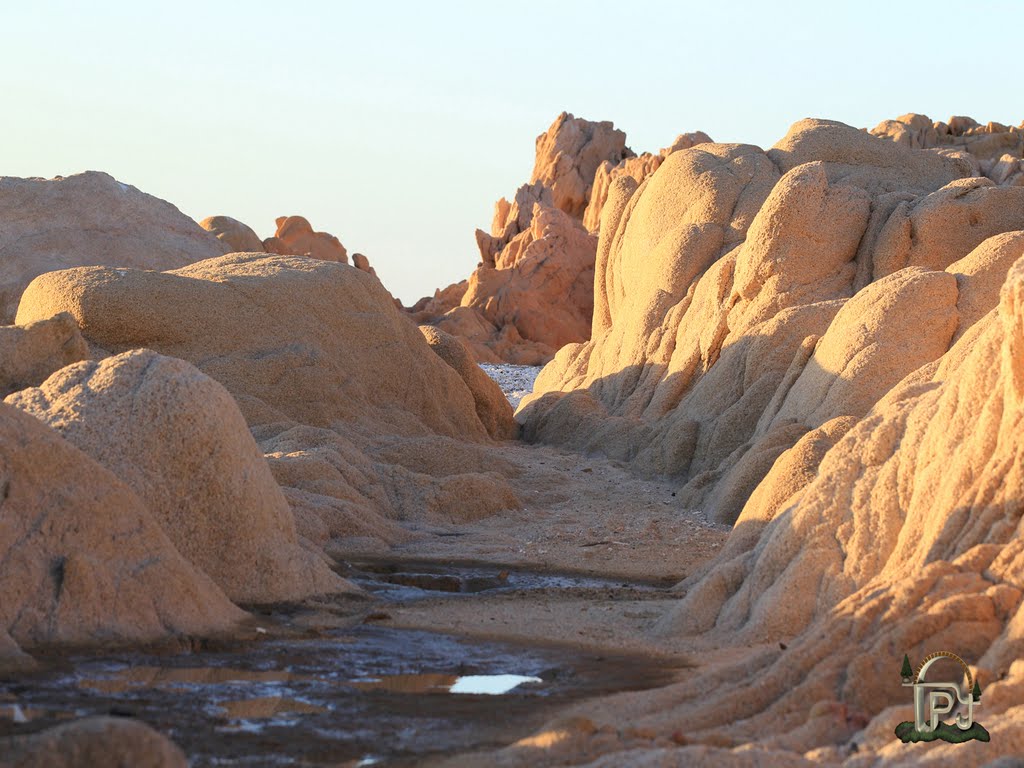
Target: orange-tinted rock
(295, 237)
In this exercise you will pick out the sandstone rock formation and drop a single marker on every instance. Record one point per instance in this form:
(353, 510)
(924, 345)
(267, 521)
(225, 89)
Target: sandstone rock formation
(807, 339)
(238, 237)
(334, 382)
(532, 293)
(176, 438)
(83, 560)
(30, 353)
(90, 742)
(88, 219)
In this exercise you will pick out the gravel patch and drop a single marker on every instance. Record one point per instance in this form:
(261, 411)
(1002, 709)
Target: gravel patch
(516, 381)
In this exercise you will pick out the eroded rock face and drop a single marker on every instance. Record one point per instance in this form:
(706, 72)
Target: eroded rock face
(84, 562)
(88, 219)
(637, 168)
(766, 331)
(176, 437)
(324, 368)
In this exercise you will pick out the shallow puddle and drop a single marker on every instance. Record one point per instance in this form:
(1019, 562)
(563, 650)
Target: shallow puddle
(407, 581)
(370, 695)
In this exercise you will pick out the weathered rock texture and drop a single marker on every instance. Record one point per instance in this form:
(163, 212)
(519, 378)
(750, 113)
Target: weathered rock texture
(336, 385)
(88, 219)
(83, 560)
(295, 237)
(176, 438)
(532, 293)
(808, 339)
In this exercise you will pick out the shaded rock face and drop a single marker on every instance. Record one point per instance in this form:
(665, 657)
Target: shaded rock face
(30, 353)
(93, 741)
(334, 382)
(192, 461)
(84, 561)
(532, 293)
(766, 332)
(87, 219)
(491, 404)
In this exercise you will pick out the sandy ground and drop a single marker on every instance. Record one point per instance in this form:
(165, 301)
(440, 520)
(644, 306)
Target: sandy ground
(583, 515)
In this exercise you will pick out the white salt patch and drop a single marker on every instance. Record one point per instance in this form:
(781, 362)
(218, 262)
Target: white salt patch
(516, 381)
(493, 685)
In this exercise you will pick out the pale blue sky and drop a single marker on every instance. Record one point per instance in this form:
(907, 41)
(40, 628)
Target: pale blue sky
(396, 126)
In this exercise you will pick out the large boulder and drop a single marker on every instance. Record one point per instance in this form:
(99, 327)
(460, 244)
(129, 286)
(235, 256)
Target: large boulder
(809, 338)
(176, 437)
(637, 168)
(325, 370)
(291, 338)
(89, 219)
(30, 353)
(81, 558)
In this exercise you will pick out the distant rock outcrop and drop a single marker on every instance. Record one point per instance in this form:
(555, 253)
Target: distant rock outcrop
(995, 150)
(532, 292)
(295, 237)
(89, 219)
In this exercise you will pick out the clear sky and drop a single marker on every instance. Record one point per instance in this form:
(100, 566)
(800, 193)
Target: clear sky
(396, 125)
